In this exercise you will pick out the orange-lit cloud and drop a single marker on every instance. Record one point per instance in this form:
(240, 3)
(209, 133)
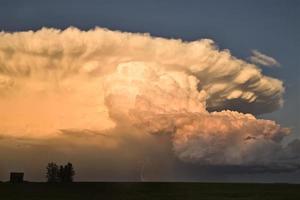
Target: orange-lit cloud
(160, 102)
(55, 83)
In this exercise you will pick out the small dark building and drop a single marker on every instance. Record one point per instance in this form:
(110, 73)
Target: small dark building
(16, 177)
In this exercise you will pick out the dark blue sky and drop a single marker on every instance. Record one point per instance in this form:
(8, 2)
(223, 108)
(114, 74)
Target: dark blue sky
(271, 26)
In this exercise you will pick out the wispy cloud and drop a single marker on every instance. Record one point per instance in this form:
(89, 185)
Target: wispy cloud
(262, 59)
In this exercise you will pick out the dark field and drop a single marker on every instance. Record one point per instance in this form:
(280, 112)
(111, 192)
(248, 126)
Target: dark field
(144, 191)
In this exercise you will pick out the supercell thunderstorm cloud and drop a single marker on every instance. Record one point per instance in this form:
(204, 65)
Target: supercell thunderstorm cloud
(85, 84)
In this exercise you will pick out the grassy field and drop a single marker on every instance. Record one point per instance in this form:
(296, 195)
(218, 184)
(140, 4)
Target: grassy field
(144, 191)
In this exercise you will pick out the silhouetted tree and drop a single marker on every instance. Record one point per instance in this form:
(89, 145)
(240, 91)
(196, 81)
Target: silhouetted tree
(60, 174)
(69, 172)
(66, 173)
(52, 172)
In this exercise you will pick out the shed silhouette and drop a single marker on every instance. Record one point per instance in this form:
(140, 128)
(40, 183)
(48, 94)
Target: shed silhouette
(16, 177)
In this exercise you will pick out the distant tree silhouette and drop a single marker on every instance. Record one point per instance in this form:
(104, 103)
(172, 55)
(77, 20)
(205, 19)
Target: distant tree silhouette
(68, 173)
(52, 172)
(62, 174)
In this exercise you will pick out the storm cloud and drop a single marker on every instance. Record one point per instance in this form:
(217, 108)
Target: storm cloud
(57, 85)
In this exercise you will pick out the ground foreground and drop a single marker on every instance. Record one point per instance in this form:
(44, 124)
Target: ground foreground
(144, 191)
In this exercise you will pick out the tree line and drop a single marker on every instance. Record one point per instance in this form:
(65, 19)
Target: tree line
(62, 173)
